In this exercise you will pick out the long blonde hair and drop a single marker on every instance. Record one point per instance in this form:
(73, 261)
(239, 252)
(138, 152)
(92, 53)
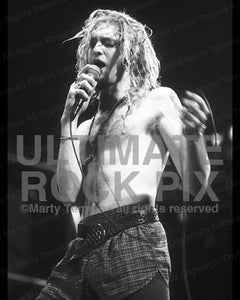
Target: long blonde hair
(138, 56)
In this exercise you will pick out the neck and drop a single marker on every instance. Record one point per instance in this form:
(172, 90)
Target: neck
(110, 95)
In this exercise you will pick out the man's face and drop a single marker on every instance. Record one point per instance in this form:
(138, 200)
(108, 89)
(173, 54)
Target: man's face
(104, 52)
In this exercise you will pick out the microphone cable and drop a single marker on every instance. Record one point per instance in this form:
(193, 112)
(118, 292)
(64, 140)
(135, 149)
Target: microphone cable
(74, 149)
(210, 113)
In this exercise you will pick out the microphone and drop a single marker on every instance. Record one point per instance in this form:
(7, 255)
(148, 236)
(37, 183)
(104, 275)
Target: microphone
(93, 71)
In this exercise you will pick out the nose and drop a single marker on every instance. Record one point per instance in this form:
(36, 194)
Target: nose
(98, 48)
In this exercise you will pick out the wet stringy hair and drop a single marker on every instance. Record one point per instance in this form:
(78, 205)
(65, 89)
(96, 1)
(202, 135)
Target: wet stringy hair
(136, 50)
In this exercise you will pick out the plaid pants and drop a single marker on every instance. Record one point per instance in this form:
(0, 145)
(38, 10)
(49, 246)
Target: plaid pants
(121, 266)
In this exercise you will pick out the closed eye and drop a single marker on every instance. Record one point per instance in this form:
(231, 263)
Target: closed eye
(107, 42)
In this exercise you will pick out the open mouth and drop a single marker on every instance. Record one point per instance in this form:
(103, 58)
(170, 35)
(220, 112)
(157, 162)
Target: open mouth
(99, 63)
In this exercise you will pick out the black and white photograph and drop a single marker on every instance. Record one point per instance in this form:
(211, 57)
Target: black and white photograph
(119, 152)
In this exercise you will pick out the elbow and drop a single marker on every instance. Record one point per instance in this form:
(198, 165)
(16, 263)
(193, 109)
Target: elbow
(68, 196)
(206, 176)
(197, 181)
(201, 182)
(204, 184)
(67, 188)
(66, 199)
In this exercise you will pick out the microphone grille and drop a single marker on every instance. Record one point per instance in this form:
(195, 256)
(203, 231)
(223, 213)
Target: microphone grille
(95, 71)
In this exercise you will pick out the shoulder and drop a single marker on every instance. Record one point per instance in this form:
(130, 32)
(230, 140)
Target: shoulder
(163, 100)
(164, 95)
(166, 111)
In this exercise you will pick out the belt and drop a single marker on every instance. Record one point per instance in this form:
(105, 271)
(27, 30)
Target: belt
(97, 229)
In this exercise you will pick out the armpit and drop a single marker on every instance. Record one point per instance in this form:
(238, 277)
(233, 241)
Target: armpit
(153, 127)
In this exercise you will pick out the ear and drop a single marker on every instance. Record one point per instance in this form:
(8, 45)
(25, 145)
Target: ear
(123, 63)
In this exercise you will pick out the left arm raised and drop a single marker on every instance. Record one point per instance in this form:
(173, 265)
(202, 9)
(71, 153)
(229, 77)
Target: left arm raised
(181, 128)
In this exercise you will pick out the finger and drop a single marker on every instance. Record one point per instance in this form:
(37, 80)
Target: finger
(199, 101)
(84, 69)
(72, 90)
(82, 95)
(72, 97)
(87, 77)
(186, 115)
(194, 108)
(84, 85)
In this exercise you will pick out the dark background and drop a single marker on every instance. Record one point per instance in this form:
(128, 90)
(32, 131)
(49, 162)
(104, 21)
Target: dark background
(40, 73)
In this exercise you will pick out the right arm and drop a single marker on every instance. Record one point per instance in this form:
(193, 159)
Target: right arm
(69, 176)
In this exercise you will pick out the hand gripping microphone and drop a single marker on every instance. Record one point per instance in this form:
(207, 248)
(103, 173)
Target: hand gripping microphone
(93, 71)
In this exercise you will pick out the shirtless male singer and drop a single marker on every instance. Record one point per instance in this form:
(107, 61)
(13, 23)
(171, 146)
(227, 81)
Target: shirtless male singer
(121, 150)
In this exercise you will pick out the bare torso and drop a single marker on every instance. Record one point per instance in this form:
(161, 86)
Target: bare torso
(128, 167)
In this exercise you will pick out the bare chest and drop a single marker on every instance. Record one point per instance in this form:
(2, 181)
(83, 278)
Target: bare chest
(126, 131)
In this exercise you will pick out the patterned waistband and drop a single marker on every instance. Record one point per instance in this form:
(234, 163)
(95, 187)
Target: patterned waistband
(118, 213)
